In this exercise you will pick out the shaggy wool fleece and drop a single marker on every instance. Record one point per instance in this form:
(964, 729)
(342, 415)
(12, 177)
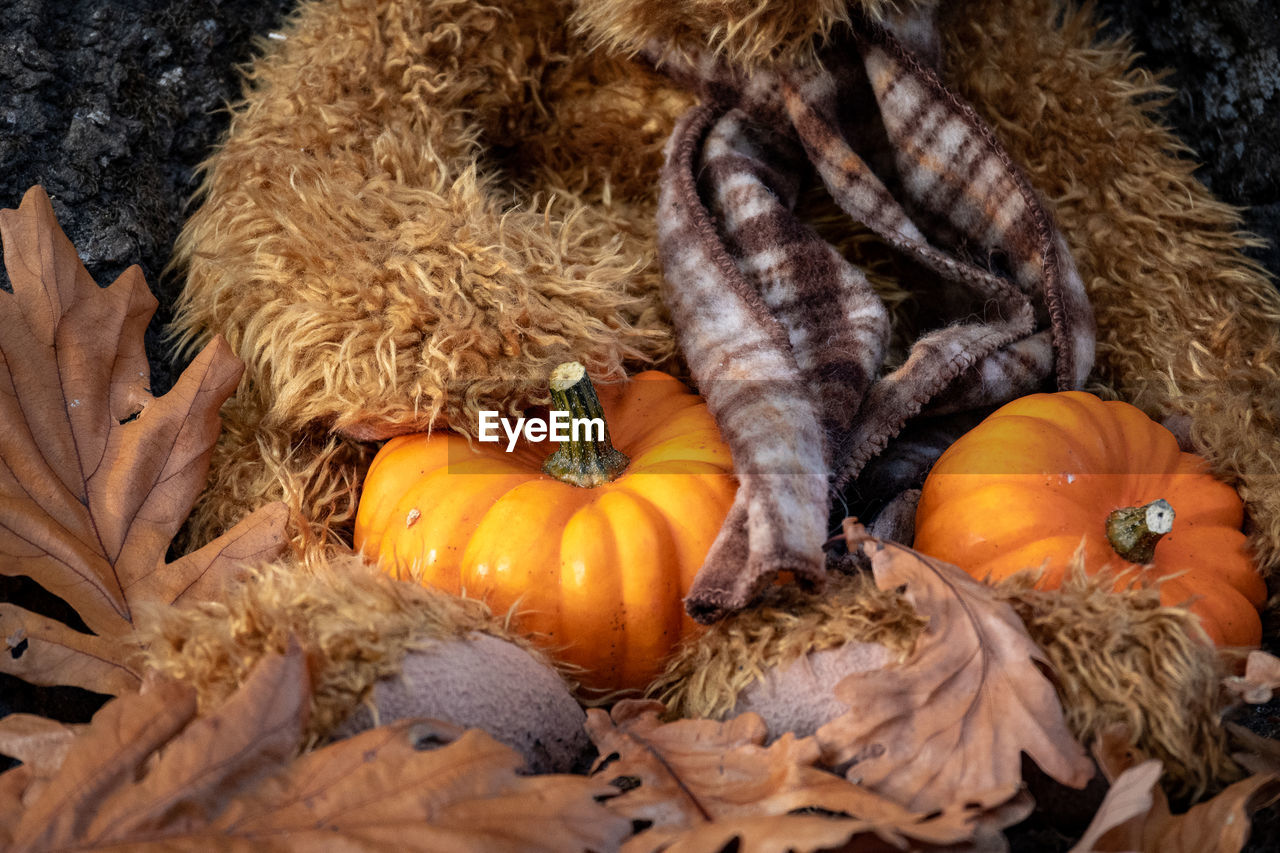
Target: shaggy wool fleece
(1187, 325)
(354, 624)
(422, 206)
(419, 209)
(747, 32)
(1117, 658)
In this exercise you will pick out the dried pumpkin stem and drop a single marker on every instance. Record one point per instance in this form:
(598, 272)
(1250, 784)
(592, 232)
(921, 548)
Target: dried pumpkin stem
(1134, 530)
(588, 458)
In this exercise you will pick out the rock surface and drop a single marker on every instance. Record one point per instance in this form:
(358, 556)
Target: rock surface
(1224, 62)
(111, 104)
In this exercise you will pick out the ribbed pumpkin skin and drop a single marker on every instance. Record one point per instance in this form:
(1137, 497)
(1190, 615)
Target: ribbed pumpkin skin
(599, 574)
(1025, 485)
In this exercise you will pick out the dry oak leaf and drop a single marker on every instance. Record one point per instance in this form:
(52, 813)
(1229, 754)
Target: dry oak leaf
(36, 741)
(96, 474)
(701, 784)
(956, 716)
(1260, 754)
(149, 774)
(1261, 677)
(1130, 797)
(1135, 815)
(147, 764)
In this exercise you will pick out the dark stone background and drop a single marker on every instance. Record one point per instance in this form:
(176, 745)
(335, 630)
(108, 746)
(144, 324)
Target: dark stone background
(1224, 58)
(111, 104)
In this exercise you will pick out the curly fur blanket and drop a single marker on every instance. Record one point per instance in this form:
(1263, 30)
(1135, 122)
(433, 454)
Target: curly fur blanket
(787, 340)
(422, 205)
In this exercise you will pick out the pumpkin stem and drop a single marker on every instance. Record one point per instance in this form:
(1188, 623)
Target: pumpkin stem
(582, 460)
(1134, 530)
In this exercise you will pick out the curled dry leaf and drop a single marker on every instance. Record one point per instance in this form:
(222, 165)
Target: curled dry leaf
(96, 475)
(38, 742)
(955, 716)
(146, 763)
(700, 784)
(1259, 754)
(1135, 815)
(1219, 825)
(1129, 798)
(1261, 678)
(149, 774)
(411, 786)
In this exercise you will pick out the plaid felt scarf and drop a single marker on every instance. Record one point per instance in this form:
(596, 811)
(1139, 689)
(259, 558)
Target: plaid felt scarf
(787, 340)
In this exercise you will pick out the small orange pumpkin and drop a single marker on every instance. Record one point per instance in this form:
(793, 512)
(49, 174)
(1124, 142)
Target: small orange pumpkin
(1024, 487)
(598, 571)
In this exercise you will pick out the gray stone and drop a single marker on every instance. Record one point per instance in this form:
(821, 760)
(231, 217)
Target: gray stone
(1224, 59)
(481, 681)
(111, 104)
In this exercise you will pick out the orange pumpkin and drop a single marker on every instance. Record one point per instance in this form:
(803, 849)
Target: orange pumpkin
(1024, 487)
(597, 573)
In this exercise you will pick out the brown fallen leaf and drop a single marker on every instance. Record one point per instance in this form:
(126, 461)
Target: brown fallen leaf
(1260, 754)
(955, 716)
(38, 742)
(41, 745)
(700, 784)
(1131, 796)
(412, 786)
(1261, 678)
(149, 774)
(96, 474)
(1135, 815)
(1220, 825)
(148, 761)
